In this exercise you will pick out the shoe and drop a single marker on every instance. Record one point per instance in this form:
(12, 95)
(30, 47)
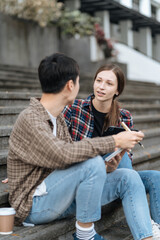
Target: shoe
(155, 230)
(95, 237)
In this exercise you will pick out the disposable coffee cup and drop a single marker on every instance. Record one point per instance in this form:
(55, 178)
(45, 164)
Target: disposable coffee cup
(6, 220)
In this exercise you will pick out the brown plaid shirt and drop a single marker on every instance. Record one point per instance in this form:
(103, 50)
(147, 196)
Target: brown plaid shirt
(34, 152)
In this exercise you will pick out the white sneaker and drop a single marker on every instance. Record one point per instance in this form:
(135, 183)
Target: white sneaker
(155, 230)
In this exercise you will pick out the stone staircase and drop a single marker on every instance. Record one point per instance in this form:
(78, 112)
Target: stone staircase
(13, 78)
(17, 85)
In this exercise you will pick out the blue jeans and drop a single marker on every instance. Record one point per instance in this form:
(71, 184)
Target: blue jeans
(151, 181)
(84, 187)
(125, 161)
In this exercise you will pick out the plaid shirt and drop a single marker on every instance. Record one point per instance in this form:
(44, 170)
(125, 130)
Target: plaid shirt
(80, 120)
(34, 152)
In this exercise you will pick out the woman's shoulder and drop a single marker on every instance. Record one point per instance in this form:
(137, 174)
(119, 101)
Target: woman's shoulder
(126, 117)
(125, 113)
(78, 102)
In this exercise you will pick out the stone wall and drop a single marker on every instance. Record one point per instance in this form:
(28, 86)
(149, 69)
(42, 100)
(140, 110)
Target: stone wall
(80, 49)
(24, 43)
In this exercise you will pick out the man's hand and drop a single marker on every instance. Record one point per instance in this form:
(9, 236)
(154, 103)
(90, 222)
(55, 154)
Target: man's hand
(114, 162)
(5, 180)
(127, 140)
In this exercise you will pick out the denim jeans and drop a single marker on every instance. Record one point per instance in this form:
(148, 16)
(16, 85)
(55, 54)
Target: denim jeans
(84, 187)
(125, 162)
(151, 181)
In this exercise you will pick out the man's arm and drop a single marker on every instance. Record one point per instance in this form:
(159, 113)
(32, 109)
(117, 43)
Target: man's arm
(35, 144)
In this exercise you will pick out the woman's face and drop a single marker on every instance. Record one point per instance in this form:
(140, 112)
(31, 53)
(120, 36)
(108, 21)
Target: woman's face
(105, 85)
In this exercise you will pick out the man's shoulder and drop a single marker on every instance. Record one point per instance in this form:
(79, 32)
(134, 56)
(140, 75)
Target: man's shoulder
(22, 120)
(28, 117)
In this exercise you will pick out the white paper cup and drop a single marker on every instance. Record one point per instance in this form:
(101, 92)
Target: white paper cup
(6, 220)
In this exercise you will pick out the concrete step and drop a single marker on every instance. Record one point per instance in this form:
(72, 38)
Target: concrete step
(147, 158)
(141, 109)
(139, 99)
(118, 231)
(5, 132)
(146, 121)
(17, 84)
(3, 187)
(20, 75)
(15, 78)
(152, 137)
(17, 98)
(8, 115)
(18, 69)
(3, 157)
(138, 87)
(141, 83)
(141, 91)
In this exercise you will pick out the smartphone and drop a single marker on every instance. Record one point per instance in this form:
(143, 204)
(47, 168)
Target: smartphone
(115, 130)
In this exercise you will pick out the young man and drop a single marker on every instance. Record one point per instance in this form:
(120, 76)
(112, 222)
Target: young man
(47, 171)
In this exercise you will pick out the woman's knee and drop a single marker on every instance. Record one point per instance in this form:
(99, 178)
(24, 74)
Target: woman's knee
(132, 178)
(150, 179)
(151, 175)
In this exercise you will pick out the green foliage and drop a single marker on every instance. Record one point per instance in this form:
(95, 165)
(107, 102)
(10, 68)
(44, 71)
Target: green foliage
(76, 23)
(40, 11)
(46, 12)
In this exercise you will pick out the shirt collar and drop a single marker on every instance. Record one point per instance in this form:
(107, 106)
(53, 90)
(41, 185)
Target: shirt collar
(41, 111)
(87, 101)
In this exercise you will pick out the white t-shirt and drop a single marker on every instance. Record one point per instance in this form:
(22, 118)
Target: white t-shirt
(41, 189)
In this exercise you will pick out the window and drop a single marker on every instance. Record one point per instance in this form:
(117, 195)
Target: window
(136, 5)
(153, 11)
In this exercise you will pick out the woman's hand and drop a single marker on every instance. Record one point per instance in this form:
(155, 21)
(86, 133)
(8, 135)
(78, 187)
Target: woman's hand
(114, 162)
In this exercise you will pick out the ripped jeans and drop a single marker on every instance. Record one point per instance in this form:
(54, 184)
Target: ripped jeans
(84, 187)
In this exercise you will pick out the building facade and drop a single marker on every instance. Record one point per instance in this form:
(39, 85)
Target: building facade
(134, 25)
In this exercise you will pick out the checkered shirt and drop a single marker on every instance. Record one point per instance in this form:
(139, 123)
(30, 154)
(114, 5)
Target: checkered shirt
(80, 120)
(34, 152)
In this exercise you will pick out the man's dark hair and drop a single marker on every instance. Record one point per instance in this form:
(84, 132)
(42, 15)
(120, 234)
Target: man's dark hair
(55, 71)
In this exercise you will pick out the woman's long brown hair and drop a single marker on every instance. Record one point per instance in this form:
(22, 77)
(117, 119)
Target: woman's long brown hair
(113, 115)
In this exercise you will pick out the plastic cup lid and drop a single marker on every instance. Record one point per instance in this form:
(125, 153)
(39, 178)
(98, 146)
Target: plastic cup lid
(7, 211)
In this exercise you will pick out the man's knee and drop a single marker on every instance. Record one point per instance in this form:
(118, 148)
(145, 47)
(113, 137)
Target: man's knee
(97, 166)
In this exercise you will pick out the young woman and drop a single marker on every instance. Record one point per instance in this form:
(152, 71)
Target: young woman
(92, 117)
